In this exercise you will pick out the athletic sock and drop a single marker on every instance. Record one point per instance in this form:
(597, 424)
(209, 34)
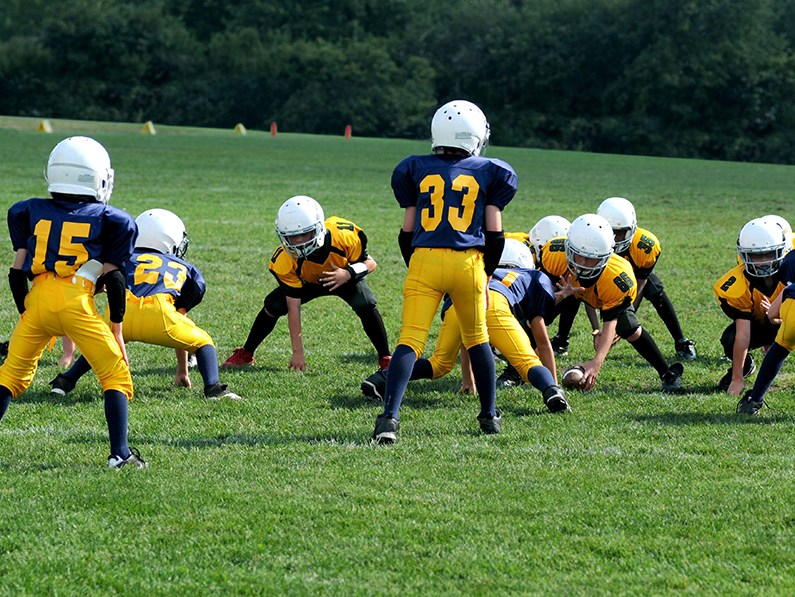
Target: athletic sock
(771, 365)
(78, 370)
(648, 349)
(373, 325)
(5, 400)
(482, 360)
(397, 378)
(207, 362)
(116, 416)
(422, 370)
(262, 326)
(540, 377)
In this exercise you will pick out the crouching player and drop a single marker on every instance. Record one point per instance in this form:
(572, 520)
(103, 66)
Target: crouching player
(317, 257)
(605, 282)
(745, 294)
(162, 288)
(66, 245)
(519, 296)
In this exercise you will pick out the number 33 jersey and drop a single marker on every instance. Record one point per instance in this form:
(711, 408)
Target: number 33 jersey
(451, 194)
(60, 236)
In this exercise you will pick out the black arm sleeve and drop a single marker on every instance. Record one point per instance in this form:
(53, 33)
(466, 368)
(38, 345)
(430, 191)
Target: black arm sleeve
(404, 240)
(189, 296)
(18, 282)
(116, 288)
(492, 250)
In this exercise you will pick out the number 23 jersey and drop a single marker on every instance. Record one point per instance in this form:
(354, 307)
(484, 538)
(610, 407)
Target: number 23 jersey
(60, 236)
(451, 194)
(150, 273)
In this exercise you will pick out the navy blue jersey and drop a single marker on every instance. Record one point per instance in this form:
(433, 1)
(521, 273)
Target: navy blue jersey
(529, 292)
(150, 272)
(789, 292)
(60, 236)
(451, 194)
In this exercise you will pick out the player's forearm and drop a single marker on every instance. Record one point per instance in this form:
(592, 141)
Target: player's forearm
(182, 361)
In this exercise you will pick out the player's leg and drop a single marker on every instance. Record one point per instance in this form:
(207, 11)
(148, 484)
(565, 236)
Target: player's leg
(274, 307)
(773, 361)
(655, 293)
(363, 302)
(467, 290)
(567, 309)
(630, 330)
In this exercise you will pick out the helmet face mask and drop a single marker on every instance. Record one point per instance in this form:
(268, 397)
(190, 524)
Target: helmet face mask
(621, 215)
(515, 254)
(162, 231)
(590, 238)
(460, 125)
(761, 246)
(545, 230)
(80, 166)
(300, 216)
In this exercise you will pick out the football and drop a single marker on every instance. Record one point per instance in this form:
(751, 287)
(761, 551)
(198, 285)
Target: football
(572, 377)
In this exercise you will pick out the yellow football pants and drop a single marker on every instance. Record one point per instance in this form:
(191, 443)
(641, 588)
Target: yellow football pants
(154, 320)
(432, 273)
(505, 334)
(63, 307)
(786, 333)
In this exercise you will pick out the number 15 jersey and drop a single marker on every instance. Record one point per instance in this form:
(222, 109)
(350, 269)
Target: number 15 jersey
(451, 194)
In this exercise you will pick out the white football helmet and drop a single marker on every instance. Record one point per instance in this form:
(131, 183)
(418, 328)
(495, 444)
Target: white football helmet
(591, 237)
(299, 215)
(460, 124)
(759, 237)
(785, 227)
(162, 231)
(545, 230)
(621, 215)
(80, 166)
(516, 254)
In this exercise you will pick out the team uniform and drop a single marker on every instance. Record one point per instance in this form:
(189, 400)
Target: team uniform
(67, 243)
(344, 246)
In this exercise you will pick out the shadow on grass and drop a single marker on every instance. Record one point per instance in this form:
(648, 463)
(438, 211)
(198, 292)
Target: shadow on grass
(766, 417)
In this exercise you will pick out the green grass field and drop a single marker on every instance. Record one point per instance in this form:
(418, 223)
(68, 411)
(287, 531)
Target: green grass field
(633, 493)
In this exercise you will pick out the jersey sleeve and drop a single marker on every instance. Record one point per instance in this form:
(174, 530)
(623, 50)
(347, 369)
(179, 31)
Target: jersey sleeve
(403, 185)
(118, 236)
(503, 186)
(617, 288)
(19, 225)
(644, 253)
(283, 268)
(734, 295)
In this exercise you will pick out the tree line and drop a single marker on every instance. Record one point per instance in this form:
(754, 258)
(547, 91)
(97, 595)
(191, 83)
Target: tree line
(687, 78)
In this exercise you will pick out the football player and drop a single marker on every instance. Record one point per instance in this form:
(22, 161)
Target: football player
(317, 257)
(642, 249)
(68, 246)
(451, 240)
(591, 272)
(161, 288)
(745, 294)
(519, 298)
(781, 312)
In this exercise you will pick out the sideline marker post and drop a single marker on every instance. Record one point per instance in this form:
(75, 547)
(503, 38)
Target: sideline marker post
(348, 132)
(273, 129)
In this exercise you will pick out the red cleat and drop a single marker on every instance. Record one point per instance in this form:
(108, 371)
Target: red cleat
(239, 358)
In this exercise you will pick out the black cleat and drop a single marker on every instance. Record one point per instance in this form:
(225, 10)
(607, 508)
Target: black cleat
(748, 370)
(560, 346)
(509, 378)
(374, 387)
(133, 459)
(386, 428)
(685, 349)
(555, 400)
(746, 406)
(672, 379)
(490, 425)
(62, 385)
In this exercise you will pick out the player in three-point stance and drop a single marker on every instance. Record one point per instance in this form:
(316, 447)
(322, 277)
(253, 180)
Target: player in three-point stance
(642, 249)
(451, 240)
(68, 246)
(605, 282)
(745, 294)
(161, 288)
(317, 257)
